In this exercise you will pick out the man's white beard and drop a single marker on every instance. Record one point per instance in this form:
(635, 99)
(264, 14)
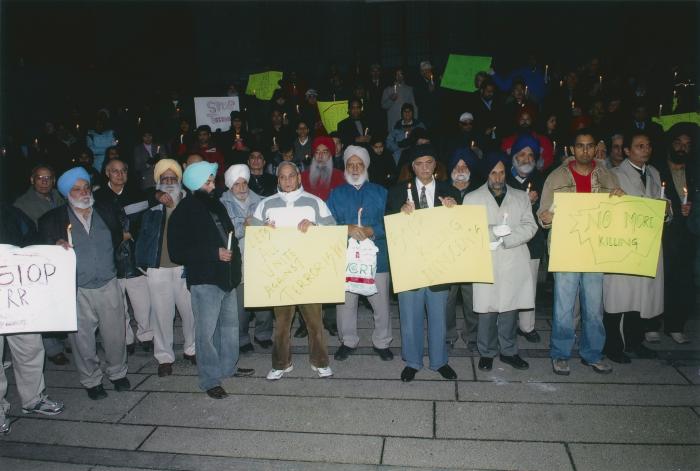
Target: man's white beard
(84, 202)
(174, 190)
(320, 173)
(461, 177)
(356, 180)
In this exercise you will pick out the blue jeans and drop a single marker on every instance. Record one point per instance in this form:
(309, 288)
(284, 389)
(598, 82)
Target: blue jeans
(216, 333)
(412, 307)
(589, 286)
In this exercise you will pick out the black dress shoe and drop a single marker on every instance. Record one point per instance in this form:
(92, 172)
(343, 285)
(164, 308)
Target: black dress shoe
(147, 346)
(343, 352)
(644, 353)
(408, 374)
(515, 361)
(59, 359)
(247, 348)
(301, 332)
(122, 384)
(447, 372)
(217, 392)
(191, 358)
(485, 363)
(240, 372)
(532, 336)
(263, 343)
(165, 369)
(97, 392)
(384, 353)
(332, 330)
(131, 348)
(618, 358)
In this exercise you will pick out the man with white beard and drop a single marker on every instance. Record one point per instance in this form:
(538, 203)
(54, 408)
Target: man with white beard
(345, 202)
(96, 233)
(166, 283)
(240, 203)
(321, 177)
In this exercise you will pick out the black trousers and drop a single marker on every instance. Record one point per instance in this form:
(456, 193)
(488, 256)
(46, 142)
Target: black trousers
(632, 334)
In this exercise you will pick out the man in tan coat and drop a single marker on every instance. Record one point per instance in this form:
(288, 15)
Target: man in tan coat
(582, 174)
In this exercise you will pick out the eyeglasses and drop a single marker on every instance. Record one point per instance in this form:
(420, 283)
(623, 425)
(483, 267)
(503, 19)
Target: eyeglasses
(168, 179)
(44, 178)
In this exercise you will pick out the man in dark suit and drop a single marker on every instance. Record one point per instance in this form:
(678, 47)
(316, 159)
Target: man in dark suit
(426, 192)
(355, 129)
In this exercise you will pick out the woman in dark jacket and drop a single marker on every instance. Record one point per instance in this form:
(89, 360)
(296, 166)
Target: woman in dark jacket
(200, 237)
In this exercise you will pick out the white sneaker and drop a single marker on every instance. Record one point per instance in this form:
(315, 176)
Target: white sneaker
(324, 372)
(679, 337)
(277, 374)
(5, 425)
(652, 337)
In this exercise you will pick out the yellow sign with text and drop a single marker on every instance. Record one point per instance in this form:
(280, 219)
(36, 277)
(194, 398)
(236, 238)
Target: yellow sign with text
(440, 245)
(284, 266)
(598, 233)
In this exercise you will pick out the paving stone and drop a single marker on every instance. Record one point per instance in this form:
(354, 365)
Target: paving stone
(566, 393)
(80, 407)
(334, 387)
(294, 414)
(86, 434)
(476, 454)
(691, 372)
(635, 457)
(637, 372)
(567, 423)
(13, 464)
(267, 445)
(71, 379)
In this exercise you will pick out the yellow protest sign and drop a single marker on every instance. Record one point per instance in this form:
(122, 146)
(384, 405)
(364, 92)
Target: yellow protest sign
(264, 84)
(332, 112)
(284, 266)
(439, 245)
(594, 232)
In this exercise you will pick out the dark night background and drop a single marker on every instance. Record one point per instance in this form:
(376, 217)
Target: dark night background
(56, 54)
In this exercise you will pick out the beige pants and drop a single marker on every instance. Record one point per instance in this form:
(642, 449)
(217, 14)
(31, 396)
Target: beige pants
(28, 364)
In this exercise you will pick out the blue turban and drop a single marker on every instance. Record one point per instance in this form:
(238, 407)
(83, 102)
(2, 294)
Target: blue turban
(197, 174)
(523, 141)
(68, 179)
(492, 159)
(465, 154)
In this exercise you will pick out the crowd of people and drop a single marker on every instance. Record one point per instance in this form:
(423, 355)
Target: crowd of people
(128, 212)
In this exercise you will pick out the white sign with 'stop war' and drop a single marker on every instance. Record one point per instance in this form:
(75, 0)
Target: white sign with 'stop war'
(37, 289)
(215, 111)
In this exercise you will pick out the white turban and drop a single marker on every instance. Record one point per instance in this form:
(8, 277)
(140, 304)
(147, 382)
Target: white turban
(466, 116)
(361, 152)
(235, 172)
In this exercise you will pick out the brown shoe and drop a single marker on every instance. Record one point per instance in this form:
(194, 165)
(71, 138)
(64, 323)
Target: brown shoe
(59, 359)
(165, 369)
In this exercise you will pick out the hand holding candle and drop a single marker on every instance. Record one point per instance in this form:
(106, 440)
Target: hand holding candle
(69, 230)
(663, 191)
(409, 196)
(230, 240)
(685, 195)
(359, 217)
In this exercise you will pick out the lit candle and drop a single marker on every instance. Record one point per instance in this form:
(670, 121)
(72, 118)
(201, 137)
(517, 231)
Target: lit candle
(405, 135)
(36, 141)
(554, 147)
(561, 83)
(298, 112)
(675, 75)
(394, 89)
(529, 185)
(182, 138)
(663, 191)
(77, 128)
(408, 193)
(573, 104)
(526, 90)
(600, 79)
(158, 150)
(126, 110)
(685, 195)
(473, 144)
(546, 73)
(69, 230)
(177, 110)
(366, 131)
(116, 142)
(661, 107)
(432, 82)
(230, 239)
(139, 121)
(566, 151)
(238, 136)
(4, 152)
(284, 116)
(359, 217)
(274, 141)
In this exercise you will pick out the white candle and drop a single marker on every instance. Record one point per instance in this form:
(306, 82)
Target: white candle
(334, 97)
(505, 219)
(409, 196)
(77, 128)
(554, 147)
(158, 150)
(298, 110)
(661, 107)
(394, 89)
(600, 79)
(529, 185)
(366, 130)
(663, 190)
(685, 195)
(566, 151)
(573, 104)
(359, 217)
(284, 116)
(526, 90)
(182, 138)
(561, 83)
(230, 240)
(473, 144)
(546, 73)
(139, 121)
(274, 141)
(69, 230)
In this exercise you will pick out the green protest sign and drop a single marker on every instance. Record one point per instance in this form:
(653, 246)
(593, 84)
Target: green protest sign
(263, 85)
(332, 112)
(460, 71)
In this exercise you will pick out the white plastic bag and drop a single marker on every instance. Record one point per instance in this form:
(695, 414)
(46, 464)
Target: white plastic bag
(361, 267)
